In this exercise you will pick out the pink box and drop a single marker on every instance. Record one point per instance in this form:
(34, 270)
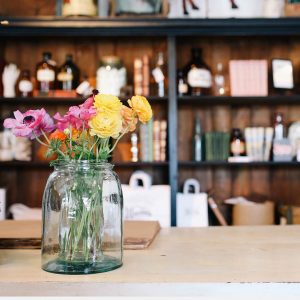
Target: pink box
(248, 77)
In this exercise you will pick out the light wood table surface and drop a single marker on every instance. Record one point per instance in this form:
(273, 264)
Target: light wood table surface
(212, 263)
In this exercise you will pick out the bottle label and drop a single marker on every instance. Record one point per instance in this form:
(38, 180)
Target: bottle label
(63, 76)
(219, 80)
(182, 88)
(25, 86)
(199, 78)
(45, 75)
(237, 147)
(158, 75)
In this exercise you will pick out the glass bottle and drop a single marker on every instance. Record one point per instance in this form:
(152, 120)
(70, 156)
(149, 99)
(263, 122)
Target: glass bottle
(237, 143)
(220, 87)
(25, 86)
(45, 74)
(198, 74)
(111, 75)
(279, 128)
(197, 141)
(82, 219)
(68, 75)
(159, 75)
(79, 7)
(182, 85)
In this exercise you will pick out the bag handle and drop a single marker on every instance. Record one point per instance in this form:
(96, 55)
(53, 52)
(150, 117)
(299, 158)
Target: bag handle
(140, 176)
(191, 182)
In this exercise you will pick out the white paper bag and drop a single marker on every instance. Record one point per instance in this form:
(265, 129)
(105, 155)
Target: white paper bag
(192, 209)
(147, 202)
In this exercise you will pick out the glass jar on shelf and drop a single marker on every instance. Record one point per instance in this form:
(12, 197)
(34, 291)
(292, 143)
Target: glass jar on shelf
(111, 75)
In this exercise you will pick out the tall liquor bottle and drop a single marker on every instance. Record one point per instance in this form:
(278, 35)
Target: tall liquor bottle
(45, 74)
(68, 75)
(159, 75)
(198, 74)
(220, 83)
(197, 141)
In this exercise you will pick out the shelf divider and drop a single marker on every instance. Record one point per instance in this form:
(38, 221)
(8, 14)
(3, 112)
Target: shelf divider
(172, 125)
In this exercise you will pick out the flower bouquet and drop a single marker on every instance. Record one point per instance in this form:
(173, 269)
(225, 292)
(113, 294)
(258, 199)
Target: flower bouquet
(82, 202)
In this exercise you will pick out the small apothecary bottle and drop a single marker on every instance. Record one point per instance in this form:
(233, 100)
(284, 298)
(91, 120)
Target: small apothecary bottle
(25, 86)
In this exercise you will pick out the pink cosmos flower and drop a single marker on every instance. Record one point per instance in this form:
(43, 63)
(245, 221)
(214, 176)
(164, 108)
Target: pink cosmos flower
(77, 116)
(30, 124)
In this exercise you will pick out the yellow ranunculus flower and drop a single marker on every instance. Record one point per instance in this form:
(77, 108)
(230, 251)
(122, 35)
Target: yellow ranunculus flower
(106, 125)
(107, 103)
(142, 108)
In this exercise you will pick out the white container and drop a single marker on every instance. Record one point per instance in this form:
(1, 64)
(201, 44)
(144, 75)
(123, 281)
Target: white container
(111, 76)
(2, 203)
(246, 9)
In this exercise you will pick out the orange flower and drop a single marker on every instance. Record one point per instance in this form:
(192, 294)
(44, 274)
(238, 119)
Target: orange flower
(76, 134)
(141, 106)
(129, 118)
(57, 135)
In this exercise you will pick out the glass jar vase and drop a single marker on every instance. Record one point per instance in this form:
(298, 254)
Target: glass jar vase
(82, 219)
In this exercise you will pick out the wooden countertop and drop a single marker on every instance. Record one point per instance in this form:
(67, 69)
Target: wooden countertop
(212, 262)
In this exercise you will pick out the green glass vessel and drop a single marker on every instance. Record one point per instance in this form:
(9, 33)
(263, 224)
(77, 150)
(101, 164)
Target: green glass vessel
(82, 219)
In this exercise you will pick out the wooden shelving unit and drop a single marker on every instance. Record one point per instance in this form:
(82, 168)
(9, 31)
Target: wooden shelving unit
(240, 101)
(255, 164)
(43, 165)
(63, 100)
(171, 35)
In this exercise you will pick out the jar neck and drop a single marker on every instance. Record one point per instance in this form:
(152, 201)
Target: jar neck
(82, 165)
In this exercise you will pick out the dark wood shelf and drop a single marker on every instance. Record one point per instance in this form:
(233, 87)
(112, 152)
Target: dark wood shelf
(64, 100)
(135, 26)
(228, 100)
(201, 164)
(40, 165)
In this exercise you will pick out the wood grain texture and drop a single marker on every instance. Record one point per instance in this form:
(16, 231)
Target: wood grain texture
(217, 263)
(30, 8)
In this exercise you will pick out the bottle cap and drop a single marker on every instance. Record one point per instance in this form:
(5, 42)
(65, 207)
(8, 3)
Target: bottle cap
(69, 57)
(47, 55)
(196, 52)
(219, 67)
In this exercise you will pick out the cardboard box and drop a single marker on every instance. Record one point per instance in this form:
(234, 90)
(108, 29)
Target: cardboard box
(252, 213)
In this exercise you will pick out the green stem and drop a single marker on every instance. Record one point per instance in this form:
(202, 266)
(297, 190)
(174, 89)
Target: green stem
(118, 139)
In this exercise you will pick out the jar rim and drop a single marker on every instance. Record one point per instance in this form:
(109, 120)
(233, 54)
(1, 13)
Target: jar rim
(81, 163)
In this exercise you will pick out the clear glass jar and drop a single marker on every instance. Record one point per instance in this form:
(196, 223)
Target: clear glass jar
(82, 219)
(111, 75)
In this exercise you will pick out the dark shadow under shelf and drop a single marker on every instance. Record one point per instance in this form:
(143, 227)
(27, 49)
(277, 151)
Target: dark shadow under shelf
(45, 165)
(202, 164)
(249, 100)
(64, 100)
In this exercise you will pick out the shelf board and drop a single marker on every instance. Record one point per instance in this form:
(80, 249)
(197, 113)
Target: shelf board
(228, 100)
(147, 26)
(45, 165)
(201, 164)
(64, 100)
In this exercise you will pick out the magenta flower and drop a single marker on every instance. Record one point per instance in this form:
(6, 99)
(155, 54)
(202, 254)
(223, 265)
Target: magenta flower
(31, 124)
(88, 103)
(77, 116)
